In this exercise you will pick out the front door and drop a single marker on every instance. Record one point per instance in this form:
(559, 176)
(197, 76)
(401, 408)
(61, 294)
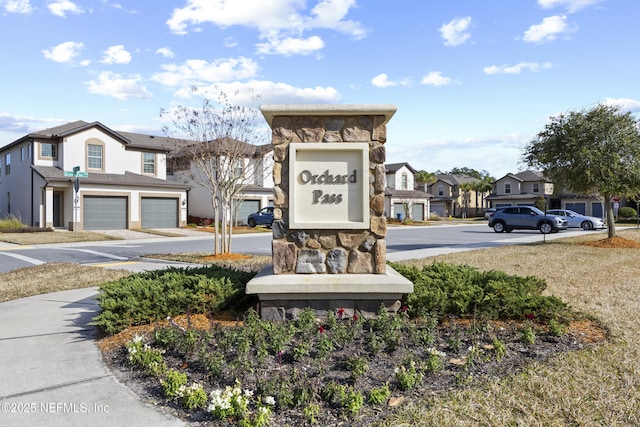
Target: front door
(58, 217)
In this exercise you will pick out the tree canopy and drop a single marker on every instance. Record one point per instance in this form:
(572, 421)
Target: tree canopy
(590, 151)
(219, 143)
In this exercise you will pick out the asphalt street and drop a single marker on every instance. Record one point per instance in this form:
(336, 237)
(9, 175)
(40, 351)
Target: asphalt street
(129, 252)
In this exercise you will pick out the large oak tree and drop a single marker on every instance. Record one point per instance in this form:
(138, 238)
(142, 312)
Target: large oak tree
(590, 151)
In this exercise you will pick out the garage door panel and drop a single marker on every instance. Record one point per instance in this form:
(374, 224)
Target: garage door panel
(246, 208)
(104, 213)
(417, 212)
(159, 212)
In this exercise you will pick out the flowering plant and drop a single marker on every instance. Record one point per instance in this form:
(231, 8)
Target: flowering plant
(231, 401)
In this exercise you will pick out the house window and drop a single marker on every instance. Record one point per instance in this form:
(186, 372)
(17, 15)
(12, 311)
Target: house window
(238, 168)
(94, 156)
(536, 187)
(404, 181)
(7, 163)
(9, 201)
(507, 188)
(49, 150)
(148, 163)
(440, 190)
(29, 149)
(21, 153)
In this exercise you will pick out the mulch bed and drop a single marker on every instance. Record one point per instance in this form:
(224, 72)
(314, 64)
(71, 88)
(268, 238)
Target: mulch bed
(456, 374)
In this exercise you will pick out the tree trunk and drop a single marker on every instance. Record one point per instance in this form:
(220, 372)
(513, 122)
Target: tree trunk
(611, 221)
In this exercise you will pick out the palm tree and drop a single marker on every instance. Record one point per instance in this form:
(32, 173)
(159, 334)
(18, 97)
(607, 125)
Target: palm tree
(466, 187)
(485, 186)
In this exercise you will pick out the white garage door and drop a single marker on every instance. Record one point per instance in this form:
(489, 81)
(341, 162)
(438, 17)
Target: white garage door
(104, 213)
(246, 208)
(158, 212)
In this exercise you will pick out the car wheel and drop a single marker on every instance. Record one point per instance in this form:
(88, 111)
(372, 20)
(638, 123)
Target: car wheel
(586, 226)
(546, 228)
(252, 222)
(498, 227)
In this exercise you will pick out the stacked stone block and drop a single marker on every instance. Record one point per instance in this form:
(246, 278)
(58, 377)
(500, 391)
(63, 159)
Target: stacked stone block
(329, 251)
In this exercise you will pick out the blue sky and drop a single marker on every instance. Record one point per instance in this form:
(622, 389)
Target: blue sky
(473, 81)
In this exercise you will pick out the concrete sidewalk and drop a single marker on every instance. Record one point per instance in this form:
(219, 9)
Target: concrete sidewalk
(52, 373)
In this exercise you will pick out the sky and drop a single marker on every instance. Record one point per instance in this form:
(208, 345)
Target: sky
(473, 81)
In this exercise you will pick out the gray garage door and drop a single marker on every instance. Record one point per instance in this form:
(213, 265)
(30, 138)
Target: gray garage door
(104, 213)
(417, 212)
(159, 212)
(245, 208)
(577, 207)
(438, 209)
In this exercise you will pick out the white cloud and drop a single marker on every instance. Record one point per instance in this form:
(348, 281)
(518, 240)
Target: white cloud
(61, 7)
(625, 104)
(18, 6)
(276, 20)
(382, 80)
(270, 93)
(516, 69)
(435, 78)
(455, 32)
(116, 55)
(547, 30)
(571, 5)
(122, 88)
(166, 52)
(291, 46)
(64, 52)
(198, 71)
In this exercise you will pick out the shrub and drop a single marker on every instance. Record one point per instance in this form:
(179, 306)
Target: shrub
(152, 296)
(627, 212)
(11, 223)
(464, 291)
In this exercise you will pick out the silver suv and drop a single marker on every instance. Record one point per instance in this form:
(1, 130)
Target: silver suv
(525, 218)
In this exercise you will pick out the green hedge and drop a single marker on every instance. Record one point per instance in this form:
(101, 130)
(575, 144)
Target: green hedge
(460, 290)
(154, 295)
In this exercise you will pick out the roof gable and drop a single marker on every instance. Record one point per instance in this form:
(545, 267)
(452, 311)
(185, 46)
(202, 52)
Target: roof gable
(395, 167)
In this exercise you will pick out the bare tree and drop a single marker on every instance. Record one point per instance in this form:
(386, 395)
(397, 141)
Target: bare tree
(219, 151)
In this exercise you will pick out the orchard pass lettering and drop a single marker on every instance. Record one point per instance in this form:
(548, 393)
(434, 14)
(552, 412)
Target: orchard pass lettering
(329, 185)
(327, 178)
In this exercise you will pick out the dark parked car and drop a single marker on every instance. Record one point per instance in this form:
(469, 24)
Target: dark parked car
(525, 218)
(578, 220)
(263, 217)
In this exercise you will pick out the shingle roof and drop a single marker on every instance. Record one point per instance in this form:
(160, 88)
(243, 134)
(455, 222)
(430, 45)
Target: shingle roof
(53, 174)
(394, 167)
(456, 179)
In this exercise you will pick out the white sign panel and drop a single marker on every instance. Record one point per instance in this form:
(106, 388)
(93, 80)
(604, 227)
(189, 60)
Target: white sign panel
(329, 185)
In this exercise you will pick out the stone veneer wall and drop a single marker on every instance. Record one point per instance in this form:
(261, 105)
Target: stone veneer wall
(329, 251)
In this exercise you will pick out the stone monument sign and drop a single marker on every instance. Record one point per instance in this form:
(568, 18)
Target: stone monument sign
(329, 229)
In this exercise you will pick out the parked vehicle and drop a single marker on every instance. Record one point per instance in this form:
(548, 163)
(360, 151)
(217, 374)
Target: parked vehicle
(488, 212)
(526, 218)
(263, 217)
(577, 220)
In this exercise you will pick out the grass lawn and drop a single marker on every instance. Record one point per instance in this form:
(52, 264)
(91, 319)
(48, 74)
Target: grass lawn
(599, 386)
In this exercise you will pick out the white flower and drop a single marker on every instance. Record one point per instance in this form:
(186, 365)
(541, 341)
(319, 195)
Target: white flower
(269, 400)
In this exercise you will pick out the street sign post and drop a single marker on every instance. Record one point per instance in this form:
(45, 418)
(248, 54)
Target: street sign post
(76, 174)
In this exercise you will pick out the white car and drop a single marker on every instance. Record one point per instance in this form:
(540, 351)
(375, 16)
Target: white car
(577, 220)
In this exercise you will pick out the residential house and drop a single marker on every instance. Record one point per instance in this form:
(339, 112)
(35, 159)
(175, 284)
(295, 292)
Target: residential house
(522, 188)
(122, 180)
(526, 187)
(450, 198)
(253, 163)
(402, 200)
